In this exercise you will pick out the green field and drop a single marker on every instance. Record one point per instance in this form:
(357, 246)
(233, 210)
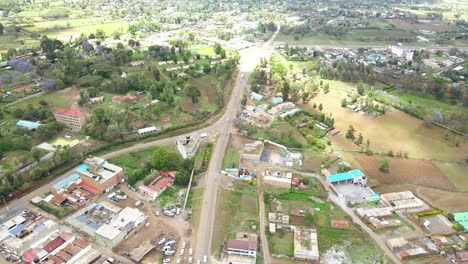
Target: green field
(236, 210)
(360, 37)
(136, 159)
(50, 98)
(282, 243)
(456, 172)
(428, 103)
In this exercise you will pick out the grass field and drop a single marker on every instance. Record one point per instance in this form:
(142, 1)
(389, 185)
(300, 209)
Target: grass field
(420, 141)
(282, 243)
(456, 172)
(430, 104)
(405, 171)
(236, 211)
(138, 158)
(356, 38)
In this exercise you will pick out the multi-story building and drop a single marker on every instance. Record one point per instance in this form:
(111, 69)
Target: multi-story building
(72, 119)
(306, 245)
(244, 245)
(188, 145)
(98, 175)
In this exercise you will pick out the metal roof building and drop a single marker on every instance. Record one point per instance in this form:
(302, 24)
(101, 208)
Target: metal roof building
(29, 125)
(354, 176)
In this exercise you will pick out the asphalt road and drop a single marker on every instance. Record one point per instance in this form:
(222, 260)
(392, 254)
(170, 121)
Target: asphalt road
(249, 59)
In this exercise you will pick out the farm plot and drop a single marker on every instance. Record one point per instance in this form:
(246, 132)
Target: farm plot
(456, 172)
(405, 171)
(387, 131)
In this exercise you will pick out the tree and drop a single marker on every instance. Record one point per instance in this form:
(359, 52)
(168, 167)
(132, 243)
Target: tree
(2, 28)
(350, 133)
(174, 161)
(326, 88)
(217, 48)
(309, 219)
(193, 93)
(182, 178)
(285, 90)
(344, 103)
(305, 96)
(450, 217)
(311, 139)
(160, 158)
(131, 42)
(384, 165)
(360, 139)
(360, 89)
(320, 107)
(36, 154)
(36, 173)
(100, 34)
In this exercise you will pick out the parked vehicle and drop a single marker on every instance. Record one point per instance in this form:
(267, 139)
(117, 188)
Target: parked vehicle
(169, 252)
(170, 243)
(190, 252)
(205, 259)
(162, 241)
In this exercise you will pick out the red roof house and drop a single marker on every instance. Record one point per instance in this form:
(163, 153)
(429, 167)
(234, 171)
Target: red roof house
(54, 244)
(159, 184)
(24, 89)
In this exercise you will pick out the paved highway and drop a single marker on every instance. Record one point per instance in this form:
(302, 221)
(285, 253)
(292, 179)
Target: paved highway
(249, 59)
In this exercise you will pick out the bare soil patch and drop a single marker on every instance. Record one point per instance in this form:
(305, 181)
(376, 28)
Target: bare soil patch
(405, 171)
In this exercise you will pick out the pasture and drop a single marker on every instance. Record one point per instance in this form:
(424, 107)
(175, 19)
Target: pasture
(456, 172)
(395, 131)
(405, 171)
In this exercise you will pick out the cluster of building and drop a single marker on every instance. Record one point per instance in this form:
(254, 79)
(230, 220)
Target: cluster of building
(94, 177)
(107, 223)
(32, 238)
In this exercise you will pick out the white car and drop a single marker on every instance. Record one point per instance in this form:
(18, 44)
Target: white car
(182, 251)
(205, 259)
(178, 261)
(190, 252)
(190, 260)
(183, 245)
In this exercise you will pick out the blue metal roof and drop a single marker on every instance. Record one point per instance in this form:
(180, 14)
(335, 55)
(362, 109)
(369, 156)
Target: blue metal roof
(28, 124)
(81, 218)
(277, 100)
(38, 229)
(17, 230)
(82, 168)
(345, 176)
(65, 183)
(94, 225)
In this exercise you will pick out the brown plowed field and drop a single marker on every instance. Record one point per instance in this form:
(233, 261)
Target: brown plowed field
(405, 171)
